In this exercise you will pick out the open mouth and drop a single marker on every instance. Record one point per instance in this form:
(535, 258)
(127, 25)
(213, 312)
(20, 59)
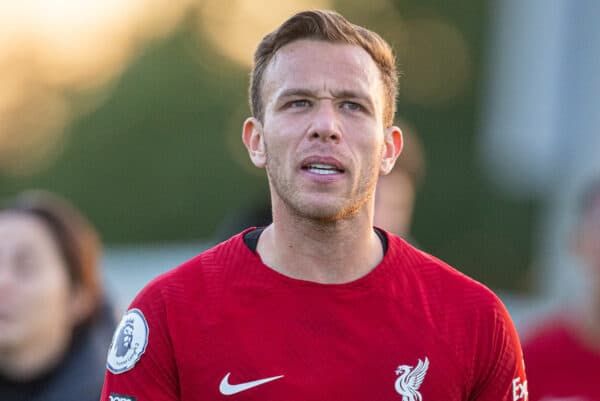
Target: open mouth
(322, 169)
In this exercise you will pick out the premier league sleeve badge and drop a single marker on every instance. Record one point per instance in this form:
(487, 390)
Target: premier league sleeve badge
(129, 342)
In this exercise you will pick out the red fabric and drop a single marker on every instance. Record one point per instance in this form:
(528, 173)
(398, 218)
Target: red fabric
(226, 312)
(560, 366)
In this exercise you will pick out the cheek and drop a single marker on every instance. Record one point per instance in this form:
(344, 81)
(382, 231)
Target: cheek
(374, 147)
(47, 297)
(280, 148)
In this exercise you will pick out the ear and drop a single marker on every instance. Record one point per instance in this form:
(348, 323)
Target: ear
(392, 147)
(252, 136)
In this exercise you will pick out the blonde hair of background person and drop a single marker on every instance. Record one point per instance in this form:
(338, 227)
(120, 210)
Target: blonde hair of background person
(54, 323)
(318, 305)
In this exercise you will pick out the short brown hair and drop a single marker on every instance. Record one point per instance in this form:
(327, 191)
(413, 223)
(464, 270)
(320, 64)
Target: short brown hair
(331, 27)
(75, 237)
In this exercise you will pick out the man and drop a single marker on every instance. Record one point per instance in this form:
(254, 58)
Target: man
(563, 353)
(318, 305)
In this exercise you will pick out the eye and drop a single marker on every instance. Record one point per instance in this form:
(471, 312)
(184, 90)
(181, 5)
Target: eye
(352, 106)
(298, 103)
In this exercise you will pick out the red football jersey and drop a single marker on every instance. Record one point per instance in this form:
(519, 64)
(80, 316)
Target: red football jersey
(560, 366)
(224, 326)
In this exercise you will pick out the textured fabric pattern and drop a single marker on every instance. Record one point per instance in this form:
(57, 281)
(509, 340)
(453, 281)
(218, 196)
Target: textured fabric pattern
(412, 329)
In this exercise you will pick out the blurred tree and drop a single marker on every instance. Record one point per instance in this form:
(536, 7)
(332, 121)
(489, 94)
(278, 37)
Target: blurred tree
(152, 162)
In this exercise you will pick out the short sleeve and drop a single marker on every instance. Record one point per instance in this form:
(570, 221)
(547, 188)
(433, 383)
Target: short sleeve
(140, 363)
(501, 370)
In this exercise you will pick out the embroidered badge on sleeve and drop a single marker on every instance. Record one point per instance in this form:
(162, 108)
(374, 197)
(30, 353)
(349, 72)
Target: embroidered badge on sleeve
(129, 342)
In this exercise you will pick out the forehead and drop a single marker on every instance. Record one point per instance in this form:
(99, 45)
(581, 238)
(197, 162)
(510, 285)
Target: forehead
(19, 228)
(322, 66)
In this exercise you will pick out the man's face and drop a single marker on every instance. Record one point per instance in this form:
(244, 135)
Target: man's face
(323, 129)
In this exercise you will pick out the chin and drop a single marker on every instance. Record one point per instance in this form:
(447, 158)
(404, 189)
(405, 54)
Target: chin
(325, 212)
(318, 207)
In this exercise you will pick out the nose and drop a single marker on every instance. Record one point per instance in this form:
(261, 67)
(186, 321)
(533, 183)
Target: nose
(325, 124)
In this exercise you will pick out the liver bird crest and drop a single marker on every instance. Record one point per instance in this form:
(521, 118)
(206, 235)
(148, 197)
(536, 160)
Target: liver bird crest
(410, 379)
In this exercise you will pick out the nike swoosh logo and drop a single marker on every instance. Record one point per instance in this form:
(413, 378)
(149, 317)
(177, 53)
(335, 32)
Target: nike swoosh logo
(229, 389)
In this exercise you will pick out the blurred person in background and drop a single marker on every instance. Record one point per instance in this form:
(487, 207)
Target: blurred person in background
(55, 325)
(318, 305)
(254, 214)
(396, 192)
(562, 354)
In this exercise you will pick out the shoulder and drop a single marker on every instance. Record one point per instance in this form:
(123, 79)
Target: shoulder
(440, 280)
(208, 269)
(462, 310)
(467, 316)
(168, 306)
(548, 336)
(557, 359)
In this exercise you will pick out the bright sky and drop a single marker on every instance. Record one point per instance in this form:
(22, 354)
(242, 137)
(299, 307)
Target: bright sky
(52, 47)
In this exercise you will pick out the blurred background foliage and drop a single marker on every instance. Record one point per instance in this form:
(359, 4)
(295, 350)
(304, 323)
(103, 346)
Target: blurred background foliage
(139, 121)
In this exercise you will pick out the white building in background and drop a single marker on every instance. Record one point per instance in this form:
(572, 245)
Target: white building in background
(541, 126)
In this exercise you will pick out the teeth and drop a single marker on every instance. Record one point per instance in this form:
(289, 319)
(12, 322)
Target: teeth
(322, 166)
(318, 168)
(321, 171)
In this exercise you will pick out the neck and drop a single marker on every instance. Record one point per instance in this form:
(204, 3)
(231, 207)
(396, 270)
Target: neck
(331, 252)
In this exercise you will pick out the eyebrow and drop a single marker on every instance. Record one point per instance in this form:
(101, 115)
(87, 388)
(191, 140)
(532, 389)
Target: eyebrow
(296, 92)
(337, 94)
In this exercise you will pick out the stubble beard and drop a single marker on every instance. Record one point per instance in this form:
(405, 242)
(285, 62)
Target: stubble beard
(291, 198)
